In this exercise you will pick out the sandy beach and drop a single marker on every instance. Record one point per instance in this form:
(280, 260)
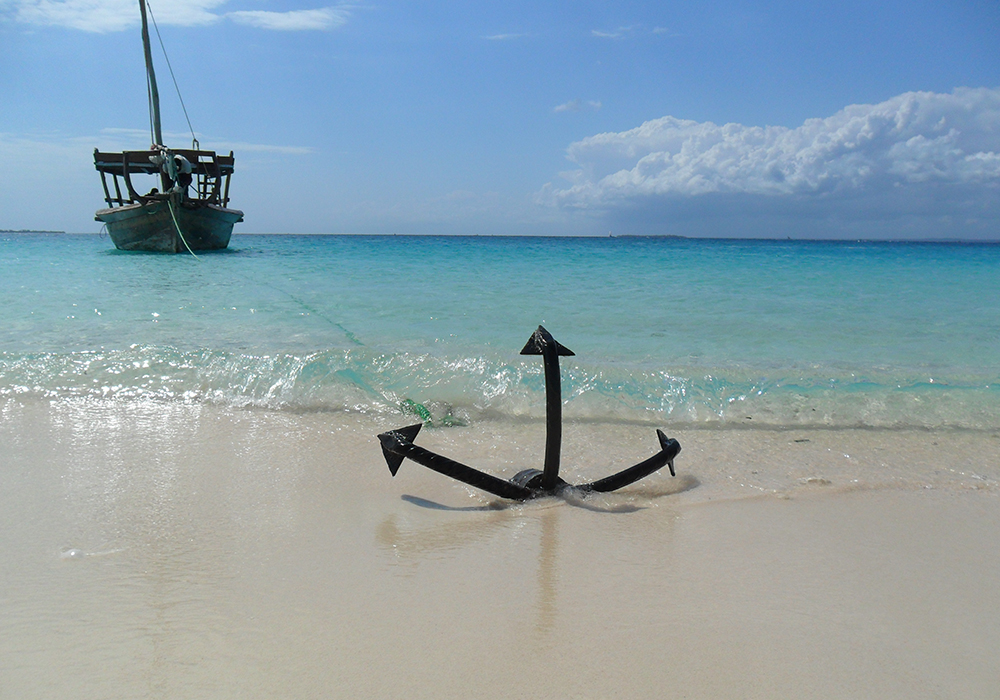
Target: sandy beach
(184, 550)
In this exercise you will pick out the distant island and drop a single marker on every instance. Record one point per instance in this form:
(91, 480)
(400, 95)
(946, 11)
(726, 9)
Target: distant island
(25, 230)
(644, 235)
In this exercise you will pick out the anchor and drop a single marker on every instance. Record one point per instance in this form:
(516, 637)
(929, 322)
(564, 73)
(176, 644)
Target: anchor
(397, 445)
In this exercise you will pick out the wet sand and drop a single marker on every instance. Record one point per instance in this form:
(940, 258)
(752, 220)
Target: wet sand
(168, 550)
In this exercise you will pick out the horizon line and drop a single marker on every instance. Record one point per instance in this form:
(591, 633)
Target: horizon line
(785, 239)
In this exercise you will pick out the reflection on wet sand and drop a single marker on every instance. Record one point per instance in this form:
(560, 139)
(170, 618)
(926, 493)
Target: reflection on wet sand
(534, 524)
(545, 614)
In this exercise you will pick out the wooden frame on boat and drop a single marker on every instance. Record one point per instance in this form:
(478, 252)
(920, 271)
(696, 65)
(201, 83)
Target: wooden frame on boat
(211, 173)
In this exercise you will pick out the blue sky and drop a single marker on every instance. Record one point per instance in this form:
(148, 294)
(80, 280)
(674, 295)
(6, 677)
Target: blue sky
(820, 119)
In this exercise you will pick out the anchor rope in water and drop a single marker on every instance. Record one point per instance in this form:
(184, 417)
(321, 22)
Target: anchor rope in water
(347, 333)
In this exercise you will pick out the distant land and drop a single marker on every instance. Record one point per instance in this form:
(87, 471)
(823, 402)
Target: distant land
(25, 230)
(644, 235)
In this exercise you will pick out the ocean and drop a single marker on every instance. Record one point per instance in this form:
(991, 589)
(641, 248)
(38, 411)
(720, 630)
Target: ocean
(673, 332)
(194, 503)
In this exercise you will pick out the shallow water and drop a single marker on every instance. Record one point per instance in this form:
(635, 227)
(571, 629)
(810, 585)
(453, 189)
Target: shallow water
(665, 331)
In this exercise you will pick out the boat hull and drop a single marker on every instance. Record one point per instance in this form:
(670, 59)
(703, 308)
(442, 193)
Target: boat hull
(150, 227)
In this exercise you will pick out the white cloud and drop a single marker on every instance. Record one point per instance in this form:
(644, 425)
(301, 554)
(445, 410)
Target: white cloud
(577, 106)
(912, 141)
(296, 20)
(615, 34)
(117, 15)
(112, 15)
(505, 37)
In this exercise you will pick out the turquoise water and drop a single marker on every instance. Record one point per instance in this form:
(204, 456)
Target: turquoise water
(666, 331)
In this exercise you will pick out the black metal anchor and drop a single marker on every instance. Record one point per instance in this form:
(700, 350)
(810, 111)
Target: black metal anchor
(397, 445)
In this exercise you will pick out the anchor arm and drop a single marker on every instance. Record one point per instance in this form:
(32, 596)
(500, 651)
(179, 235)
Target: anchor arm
(398, 445)
(669, 448)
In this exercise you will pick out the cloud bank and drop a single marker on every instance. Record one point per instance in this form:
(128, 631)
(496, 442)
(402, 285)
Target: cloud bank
(918, 154)
(117, 15)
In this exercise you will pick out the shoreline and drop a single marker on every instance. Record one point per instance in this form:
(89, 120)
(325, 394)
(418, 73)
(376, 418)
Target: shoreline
(726, 462)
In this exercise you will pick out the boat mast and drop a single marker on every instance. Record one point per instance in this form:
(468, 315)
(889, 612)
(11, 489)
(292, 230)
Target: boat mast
(154, 95)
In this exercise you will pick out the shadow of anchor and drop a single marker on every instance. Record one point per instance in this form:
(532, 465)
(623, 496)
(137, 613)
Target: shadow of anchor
(397, 445)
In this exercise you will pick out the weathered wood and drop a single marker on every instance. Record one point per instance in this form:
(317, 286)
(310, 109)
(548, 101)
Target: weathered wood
(150, 227)
(107, 194)
(138, 162)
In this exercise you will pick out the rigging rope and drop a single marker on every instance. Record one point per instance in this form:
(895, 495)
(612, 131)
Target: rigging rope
(194, 139)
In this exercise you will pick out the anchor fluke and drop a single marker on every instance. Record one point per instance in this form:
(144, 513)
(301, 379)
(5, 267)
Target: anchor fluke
(542, 339)
(669, 448)
(394, 445)
(398, 444)
(667, 444)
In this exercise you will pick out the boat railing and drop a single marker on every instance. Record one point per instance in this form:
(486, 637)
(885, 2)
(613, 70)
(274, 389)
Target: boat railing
(210, 173)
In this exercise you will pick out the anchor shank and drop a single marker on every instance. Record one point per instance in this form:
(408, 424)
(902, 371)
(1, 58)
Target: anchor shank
(553, 416)
(542, 343)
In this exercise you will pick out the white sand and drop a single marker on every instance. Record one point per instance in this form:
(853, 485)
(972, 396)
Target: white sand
(168, 551)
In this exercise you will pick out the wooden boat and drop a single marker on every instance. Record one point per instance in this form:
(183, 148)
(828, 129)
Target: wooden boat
(188, 211)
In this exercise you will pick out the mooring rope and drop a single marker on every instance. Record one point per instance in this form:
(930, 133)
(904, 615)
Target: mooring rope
(350, 336)
(170, 205)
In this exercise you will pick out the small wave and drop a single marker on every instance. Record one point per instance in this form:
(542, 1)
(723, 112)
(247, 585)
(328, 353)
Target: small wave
(476, 387)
